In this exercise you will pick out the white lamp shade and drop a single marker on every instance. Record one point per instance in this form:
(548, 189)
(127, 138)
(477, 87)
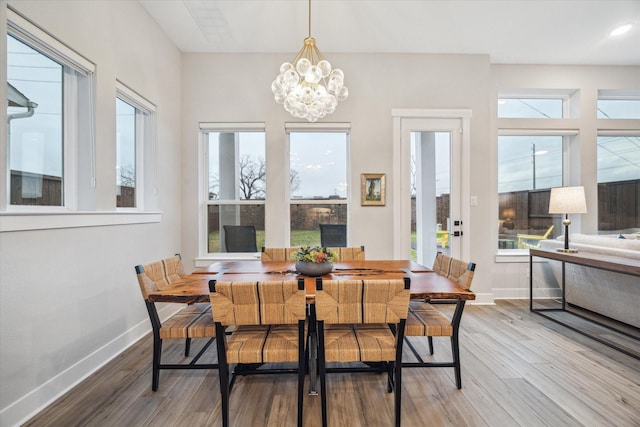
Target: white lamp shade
(567, 200)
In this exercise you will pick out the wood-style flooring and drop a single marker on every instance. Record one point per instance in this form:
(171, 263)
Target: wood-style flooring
(518, 369)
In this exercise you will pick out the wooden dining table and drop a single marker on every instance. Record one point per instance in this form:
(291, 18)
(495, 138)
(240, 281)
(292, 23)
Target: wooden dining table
(425, 284)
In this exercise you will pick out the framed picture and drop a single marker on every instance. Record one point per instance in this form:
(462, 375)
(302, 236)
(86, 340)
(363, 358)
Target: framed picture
(373, 189)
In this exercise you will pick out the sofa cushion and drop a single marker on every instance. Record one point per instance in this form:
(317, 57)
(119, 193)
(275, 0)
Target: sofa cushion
(609, 241)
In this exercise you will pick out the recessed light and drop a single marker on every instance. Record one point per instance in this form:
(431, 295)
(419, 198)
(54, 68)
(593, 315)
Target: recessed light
(622, 29)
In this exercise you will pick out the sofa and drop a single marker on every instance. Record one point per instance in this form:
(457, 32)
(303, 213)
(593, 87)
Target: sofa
(608, 293)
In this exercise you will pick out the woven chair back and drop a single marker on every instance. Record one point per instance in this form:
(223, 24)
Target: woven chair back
(462, 272)
(442, 263)
(362, 301)
(158, 275)
(284, 254)
(258, 303)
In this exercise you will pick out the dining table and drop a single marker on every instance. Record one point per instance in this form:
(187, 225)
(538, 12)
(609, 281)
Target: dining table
(426, 285)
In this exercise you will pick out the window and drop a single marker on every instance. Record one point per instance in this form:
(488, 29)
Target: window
(618, 183)
(235, 181)
(317, 182)
(528, 167)
(531, 108)
(619, 104)
(125, 155)
(134, 146)
(49, 112)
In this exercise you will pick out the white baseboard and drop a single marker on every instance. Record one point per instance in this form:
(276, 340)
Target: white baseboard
(482, 299)
(523, 293)
(39, 398)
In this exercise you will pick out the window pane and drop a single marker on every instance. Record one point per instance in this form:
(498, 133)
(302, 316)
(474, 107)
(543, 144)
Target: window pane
(619, 108)
(306, 220)
(125, 154)
(237, 165)
(220, 215)
(528, 167)
(530, 108)
(618, 183)
(318, 165)
(318, 171)
(35, 134)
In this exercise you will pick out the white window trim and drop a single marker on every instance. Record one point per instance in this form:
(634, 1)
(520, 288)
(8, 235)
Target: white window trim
(328, 127)
(205, 257)
(145, 144)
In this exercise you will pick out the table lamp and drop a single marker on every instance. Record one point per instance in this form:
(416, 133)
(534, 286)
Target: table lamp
(566, 200)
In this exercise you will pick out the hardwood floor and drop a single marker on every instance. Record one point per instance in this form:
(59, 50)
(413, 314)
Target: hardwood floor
(518, 369)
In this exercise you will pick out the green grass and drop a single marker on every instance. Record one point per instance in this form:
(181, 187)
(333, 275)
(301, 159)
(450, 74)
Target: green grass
(298, 238)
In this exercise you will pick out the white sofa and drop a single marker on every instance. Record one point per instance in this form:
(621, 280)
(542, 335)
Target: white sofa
(611, 294)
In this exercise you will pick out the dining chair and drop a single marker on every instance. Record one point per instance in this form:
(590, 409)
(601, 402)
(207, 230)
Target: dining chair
(277, 254)
(192, 321)
(425, 320)
(442, 263)
(284, 254)
(268, 325)
(240, 238)
(333, 235)
(361, 321)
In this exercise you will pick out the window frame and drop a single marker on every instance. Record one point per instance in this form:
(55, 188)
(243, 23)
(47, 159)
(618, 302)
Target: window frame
(145, 112)
(318, 128)
(203, 183)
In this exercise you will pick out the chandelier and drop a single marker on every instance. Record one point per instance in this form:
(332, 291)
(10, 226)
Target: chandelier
(307, 86)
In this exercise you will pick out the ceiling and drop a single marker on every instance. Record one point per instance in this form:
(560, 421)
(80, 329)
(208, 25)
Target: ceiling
(509, 31)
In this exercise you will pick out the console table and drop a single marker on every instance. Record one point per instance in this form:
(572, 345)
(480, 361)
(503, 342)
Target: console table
(591, 260)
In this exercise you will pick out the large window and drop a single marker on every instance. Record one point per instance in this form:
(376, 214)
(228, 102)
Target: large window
(236, 183)
(528, 167)
(35, 114)
(49, 113)
(135, 147)
(125, 154)
(318, 183)
(618, 183)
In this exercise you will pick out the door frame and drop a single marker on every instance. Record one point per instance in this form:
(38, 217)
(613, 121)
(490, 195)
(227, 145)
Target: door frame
(402, 179)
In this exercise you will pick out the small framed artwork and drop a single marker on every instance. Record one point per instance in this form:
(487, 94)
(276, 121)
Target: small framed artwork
(373, 189)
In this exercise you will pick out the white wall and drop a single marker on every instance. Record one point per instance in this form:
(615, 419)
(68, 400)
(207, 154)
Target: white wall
(69, 298)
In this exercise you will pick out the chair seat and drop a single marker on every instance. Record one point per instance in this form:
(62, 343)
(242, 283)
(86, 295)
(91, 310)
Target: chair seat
(425, 320)
(180, 324)
(361, 342)
(263, 344)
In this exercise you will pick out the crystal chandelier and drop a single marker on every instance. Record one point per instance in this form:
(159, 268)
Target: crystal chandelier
(307, 86)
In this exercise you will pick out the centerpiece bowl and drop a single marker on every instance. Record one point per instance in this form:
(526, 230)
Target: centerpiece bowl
(314, 269)
(314, 261)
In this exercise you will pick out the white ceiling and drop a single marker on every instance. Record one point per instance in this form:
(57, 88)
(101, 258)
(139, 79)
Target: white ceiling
(510, 31)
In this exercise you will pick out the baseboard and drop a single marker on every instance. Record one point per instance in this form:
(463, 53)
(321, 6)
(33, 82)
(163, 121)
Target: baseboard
(483, 299)
(39, 398)
(523, 293)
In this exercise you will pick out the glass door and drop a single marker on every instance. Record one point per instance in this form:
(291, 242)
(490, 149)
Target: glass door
(436, 218)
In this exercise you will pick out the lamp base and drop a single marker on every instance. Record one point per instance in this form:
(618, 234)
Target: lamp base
(567, 251)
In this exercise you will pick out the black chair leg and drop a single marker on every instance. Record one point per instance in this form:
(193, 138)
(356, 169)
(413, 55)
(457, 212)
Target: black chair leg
(455, 350)
(157, 352)
(430, 339)
(223, 373)
(398, 391)
(187, 347)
